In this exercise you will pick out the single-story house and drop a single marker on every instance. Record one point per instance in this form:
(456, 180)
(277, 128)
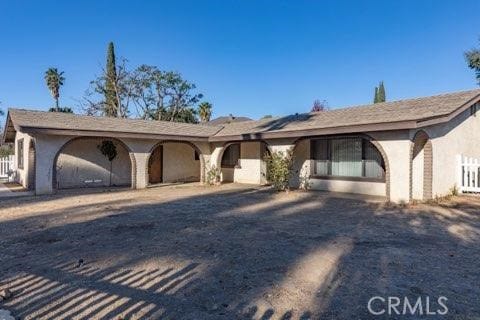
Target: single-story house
(402, 150)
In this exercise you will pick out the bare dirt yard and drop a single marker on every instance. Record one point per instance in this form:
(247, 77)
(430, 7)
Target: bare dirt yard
(233, 252)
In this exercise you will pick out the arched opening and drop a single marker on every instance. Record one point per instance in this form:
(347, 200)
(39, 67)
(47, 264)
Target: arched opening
(31, 166)
(343, 163)
(243, 162)
(175, 161)
(85, 162)
(230, 160)
(421, 167)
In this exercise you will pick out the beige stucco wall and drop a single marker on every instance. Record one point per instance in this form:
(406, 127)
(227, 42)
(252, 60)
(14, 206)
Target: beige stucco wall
(81, 164)
(47, 147)
(359, 187)
(179, 163)
(396, 145)
(22, 175)
(461, 136)
(251, 168)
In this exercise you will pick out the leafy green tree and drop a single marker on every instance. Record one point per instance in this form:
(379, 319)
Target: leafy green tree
(375, 97)
(149, 92)
(205, 111)
(163, 95)
(182, 97)
(54, 81)
(473, 61)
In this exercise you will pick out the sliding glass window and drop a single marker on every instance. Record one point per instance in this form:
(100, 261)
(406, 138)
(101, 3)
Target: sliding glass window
(353, 157)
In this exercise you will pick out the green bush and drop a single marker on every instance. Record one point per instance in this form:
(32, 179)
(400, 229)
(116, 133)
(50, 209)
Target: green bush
(213, 176)
(279, 169)
(6, 150)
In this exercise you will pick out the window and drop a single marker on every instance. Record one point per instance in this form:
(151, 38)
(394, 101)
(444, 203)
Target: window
(231, 156)
(20, 153)
(352, 157)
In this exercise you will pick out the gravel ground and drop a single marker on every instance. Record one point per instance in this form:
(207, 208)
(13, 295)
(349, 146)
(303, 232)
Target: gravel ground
(233, 252)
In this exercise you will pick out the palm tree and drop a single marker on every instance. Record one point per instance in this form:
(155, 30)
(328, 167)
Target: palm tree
(54, 80)
(205, 111)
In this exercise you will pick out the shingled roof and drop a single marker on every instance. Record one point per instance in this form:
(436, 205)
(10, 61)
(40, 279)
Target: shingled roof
(395, 115)
(409, 113)
(58, 121)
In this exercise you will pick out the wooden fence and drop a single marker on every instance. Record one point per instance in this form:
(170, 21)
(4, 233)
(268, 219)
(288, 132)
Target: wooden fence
(6, 166)
(468, 172)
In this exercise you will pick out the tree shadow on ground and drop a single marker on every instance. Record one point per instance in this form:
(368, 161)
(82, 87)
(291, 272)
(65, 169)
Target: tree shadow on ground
(241, 253)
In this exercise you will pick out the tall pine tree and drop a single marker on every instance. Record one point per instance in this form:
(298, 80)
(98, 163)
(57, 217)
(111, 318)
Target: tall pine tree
(111, 101)
(381, 93)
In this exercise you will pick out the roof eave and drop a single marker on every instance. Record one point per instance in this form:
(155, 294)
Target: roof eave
(113, 134)
(388, 126)
(446, 118)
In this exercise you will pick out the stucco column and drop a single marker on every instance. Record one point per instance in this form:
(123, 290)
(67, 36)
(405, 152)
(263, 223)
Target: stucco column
(140, 176)
(396, 145)
(214, 159)
(139, 152)
(47, 148)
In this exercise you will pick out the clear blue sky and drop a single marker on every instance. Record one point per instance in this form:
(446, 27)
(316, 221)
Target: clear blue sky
(248, 57)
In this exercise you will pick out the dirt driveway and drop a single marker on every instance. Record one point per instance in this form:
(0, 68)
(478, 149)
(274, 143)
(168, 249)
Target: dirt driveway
(229, 252)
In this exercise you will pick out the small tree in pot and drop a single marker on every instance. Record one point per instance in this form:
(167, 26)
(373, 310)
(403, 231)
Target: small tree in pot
(109, 150)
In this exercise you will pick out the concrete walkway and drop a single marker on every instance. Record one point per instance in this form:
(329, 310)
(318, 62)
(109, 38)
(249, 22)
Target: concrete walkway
(5, 192)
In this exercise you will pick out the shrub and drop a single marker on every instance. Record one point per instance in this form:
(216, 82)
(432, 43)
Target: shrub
(279, 168)
(454, 191)
(213, 176)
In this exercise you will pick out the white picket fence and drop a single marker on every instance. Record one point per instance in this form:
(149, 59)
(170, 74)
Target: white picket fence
(468, 174)
(6, 166)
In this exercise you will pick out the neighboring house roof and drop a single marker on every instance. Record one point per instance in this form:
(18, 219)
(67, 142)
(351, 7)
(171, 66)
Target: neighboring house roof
(41, 121)
(227, 119)
(396, 115)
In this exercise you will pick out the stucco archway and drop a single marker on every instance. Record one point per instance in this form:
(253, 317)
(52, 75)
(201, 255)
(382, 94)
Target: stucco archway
(365, 136)
(165, 143)
(421, 167)
(80, 163)
(229, 176)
